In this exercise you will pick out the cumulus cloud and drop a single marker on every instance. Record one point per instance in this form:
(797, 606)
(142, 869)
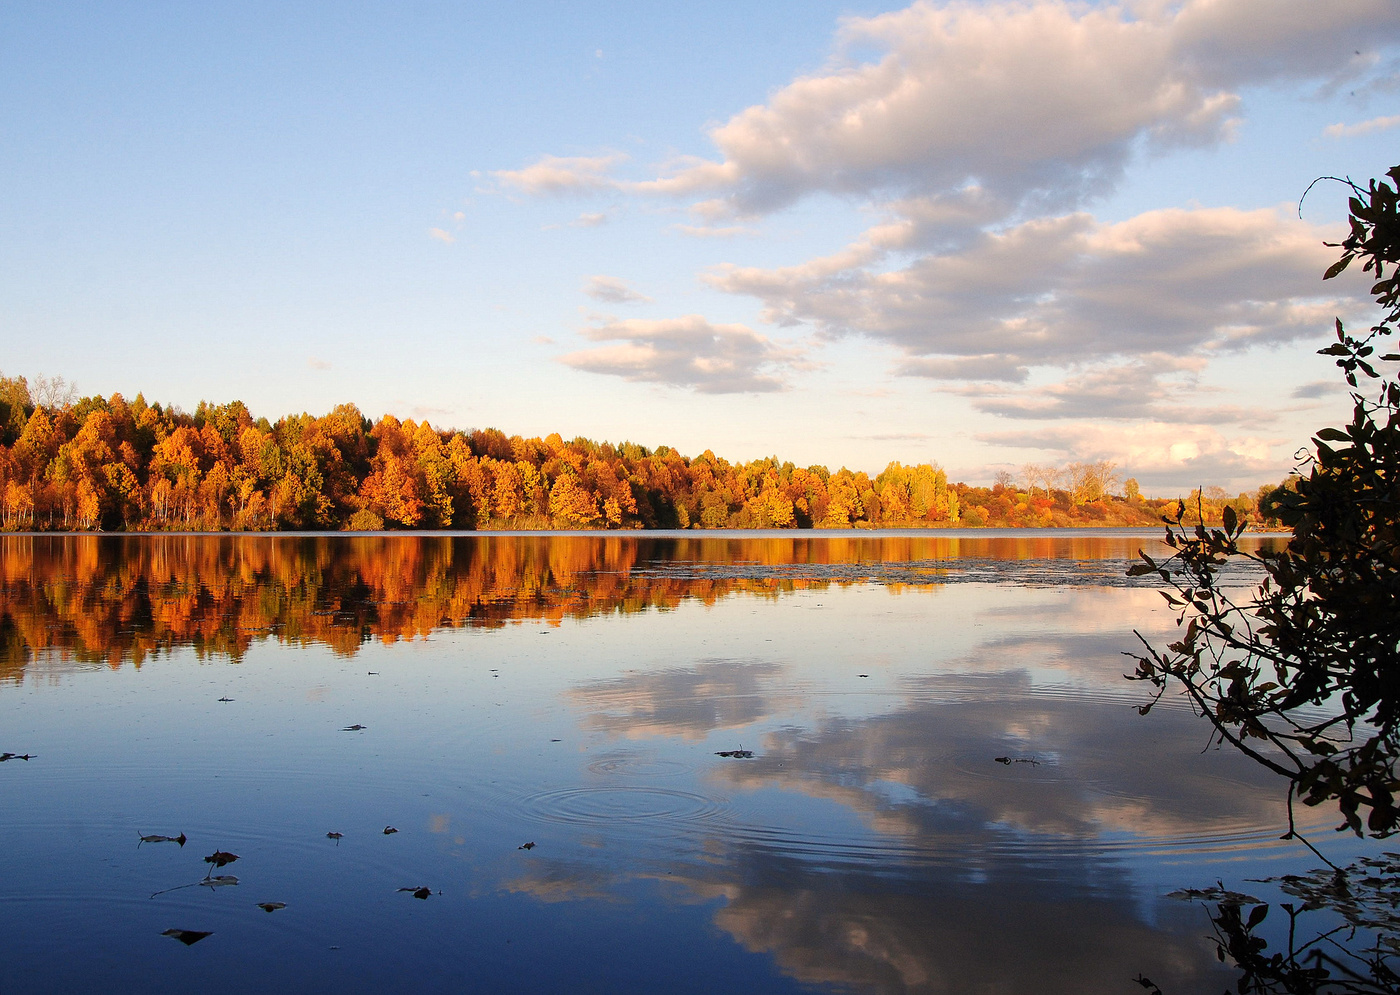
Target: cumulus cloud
(552, 174)
(1040, 102)
(587, 220)
(1363, 128)
(1060, 290)
(611, 290)
(1160, 453)
(1151, 390)
(709, 231)
(441, 235)
(687, 352)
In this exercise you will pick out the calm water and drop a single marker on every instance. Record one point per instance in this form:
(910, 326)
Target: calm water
(572, 692)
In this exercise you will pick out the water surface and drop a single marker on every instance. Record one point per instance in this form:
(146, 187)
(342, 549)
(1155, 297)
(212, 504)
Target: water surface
(950, 788)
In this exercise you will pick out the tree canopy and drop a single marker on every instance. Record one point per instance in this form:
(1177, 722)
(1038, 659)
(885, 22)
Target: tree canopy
(95, 463)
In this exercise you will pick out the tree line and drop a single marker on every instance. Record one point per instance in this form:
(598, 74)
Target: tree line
(92, 463)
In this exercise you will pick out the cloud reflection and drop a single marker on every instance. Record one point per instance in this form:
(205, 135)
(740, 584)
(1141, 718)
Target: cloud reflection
(686, 702)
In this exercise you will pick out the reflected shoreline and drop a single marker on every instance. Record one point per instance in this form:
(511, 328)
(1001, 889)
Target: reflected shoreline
(114, 598)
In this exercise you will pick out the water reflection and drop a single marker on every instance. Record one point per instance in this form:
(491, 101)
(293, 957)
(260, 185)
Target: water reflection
(873, 843)
(108, 599)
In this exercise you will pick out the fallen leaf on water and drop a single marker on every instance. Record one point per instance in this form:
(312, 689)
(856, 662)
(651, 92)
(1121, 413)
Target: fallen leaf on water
(14, 756)
(271, 906)
(526, 846)
(1008, 761)
(187, 936)
(389, 830)
(422, 893)
(220, 857)
(225, 699)
(737, 754)
(163, 839)
(354, 728)
(334, 836)
(220, 881)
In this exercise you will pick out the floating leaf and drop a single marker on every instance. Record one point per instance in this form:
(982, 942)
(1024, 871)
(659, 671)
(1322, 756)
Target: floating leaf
(220, 857)
(188, 937)
(163, 839)
(526, 846)
(389, 830)
(1008, 761)
(334, 836)
(271, 906)
(862, 675)
(354, 728)
(14, 756)
(220, 881)
(225, 699)
(736, 754)
(422, 893)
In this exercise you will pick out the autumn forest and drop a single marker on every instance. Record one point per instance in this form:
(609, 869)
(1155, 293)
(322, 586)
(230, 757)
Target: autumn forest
(93, 463)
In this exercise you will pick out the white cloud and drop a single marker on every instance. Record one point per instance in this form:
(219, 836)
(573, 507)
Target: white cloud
(552, 174)
(1161, 389)
(1160, 453)
(611, 290)
(588, 220)
(441, 235)
(688, 352)
(707, 231)
(1062, 290)
(1038, 102)
(1362, 128)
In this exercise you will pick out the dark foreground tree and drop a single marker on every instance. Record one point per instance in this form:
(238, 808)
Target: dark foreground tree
(1304, 674)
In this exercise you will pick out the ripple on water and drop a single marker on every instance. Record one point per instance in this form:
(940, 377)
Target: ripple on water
(633, 765)
(663, 811)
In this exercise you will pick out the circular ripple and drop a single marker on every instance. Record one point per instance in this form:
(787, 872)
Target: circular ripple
(633, 766)
(621, 805)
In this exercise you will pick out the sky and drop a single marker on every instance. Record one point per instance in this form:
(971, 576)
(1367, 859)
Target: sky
(977, 234)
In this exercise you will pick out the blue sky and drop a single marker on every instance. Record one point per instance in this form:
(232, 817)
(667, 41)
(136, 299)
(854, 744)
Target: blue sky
(979, 234)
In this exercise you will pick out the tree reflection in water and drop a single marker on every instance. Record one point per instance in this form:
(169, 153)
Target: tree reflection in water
(1352, 952)
(109, 599)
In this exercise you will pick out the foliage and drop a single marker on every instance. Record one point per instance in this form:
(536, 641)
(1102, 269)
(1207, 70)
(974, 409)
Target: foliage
(96, 463)
(1302, 675)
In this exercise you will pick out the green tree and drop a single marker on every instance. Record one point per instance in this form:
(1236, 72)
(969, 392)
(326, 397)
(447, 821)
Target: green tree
(1304, 676)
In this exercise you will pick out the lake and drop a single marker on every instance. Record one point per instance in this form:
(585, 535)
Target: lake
(937, 777)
